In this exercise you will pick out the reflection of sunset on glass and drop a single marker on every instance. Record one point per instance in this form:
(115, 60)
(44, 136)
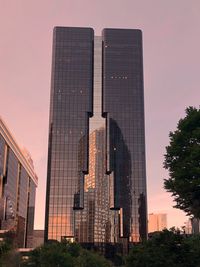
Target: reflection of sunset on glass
(171, 41)
(59, 220)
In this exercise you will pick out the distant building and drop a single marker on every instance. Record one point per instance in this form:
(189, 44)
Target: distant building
(188, 227)
(38, 238)
(192, 226)
(157, 222)
(195, 225)
(18, 183)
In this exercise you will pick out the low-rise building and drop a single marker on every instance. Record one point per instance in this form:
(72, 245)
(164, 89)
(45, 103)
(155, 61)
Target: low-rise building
(18, 182)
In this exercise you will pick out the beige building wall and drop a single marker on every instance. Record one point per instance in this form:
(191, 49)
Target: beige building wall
(157, 222)
(188, 227)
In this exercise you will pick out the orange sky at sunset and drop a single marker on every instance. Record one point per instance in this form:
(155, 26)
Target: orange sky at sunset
(171, 41)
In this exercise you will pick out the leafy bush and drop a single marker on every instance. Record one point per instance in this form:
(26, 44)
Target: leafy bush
(65, 255)
(164, 249)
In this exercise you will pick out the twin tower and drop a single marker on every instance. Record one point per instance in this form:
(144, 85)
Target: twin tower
(96, 180)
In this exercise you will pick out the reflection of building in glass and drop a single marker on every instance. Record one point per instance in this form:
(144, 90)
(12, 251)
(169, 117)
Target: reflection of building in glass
(108, 204)
(18, 183)
(157, 222)
(94, 222)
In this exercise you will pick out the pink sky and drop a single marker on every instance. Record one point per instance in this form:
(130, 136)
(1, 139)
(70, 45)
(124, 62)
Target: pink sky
(171, 34)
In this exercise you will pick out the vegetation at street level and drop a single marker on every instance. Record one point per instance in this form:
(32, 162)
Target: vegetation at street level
(182, 160)
(9, 257)
(166, 249)
(4, 249)
(65, 255)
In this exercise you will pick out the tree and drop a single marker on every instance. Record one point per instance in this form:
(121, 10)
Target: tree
(91, 259)
(9, 257)
(164, 249)
(64, 254)
(182, 160)
(51, 255)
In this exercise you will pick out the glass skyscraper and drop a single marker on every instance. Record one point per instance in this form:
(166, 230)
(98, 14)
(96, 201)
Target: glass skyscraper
(123, 108)
(96, 181)
(18, 183)
(70, 109)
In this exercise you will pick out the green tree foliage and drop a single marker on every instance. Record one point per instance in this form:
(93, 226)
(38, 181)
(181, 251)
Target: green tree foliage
(53, 255)
(182, 160)
(91, 259)
(64, 255)
(166, 249)
(11, 259)
(4, 248)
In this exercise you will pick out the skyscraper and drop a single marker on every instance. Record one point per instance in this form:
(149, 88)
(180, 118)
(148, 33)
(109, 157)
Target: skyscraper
(108, 70)
(70, 109)
(18, 183)
(123, 108)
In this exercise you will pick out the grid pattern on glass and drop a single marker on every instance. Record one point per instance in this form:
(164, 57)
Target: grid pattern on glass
(10, 191)
(97, 121)
(123, 107)
(93, 222)
(23, 205)
(2, 149)
(31, 212)
(121, 192)
(96, 223)
(70, 109)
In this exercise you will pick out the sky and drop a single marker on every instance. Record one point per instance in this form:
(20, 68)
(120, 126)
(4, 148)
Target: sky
(171, 41)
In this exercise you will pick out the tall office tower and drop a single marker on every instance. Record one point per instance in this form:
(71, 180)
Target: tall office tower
(123, 108)
(157, 222)
(111, 66)
(18, 183)
(70, 109)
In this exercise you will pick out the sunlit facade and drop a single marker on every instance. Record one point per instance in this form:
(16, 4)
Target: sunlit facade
(97, 85)
(94, 222)
(157, 222)
(18, 183)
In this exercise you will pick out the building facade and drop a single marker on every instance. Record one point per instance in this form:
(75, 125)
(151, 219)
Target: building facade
(93, 223)
(38, 238)
(18, 183)
(157, 222)
(188, 227)
(123, 108)
(96, 82)
(195, 222)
